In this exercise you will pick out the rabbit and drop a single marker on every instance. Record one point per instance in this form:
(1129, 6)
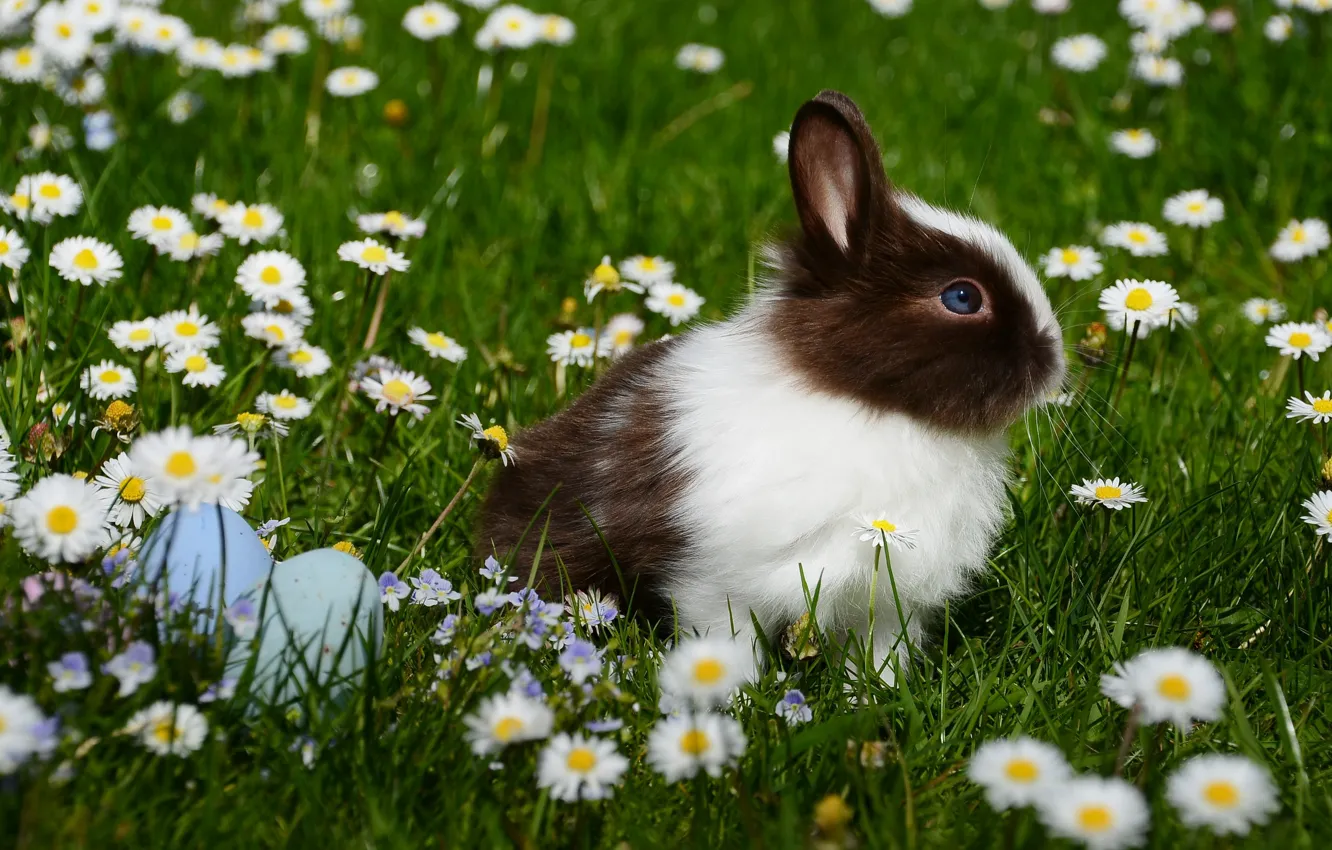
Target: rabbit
(723, 477)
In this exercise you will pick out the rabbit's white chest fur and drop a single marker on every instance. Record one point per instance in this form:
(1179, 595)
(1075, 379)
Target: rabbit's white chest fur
(781, 479)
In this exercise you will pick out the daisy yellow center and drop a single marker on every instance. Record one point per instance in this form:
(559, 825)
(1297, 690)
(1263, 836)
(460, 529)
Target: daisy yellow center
(581, 759)
(1069, 256)
(649, 264)
(4, 247)
(186, 328)
(1300, 339)
(507, 727)
(498, 436)
(1137, 236)
(1221, 793)
(606, 275)
(1024, 771)
(109, 376)
(164, 731)
(1138, 299)
(397, 392)
(1297, 235)
(132, 489)
(282, 39)
(61, 519)
(1174, 687)
(623, 338)
(275, 332)
(675, 299)
(1196, 206)
(1106, 492)
(119, 414)
(552, 27)
(23, 57)
(431, 20)
(695, 742)
(286, 402)
(20, 200)
(196, 363)
(93, 8)
(65, 30)
(883, 525)
(252, 218)
(250, 422)
(1328, 518)
(161, 222)
(1134, 135)
(514, 24)
(374, 254)
(300, 356)
(85, 259)
(437, 340)
(1095, 818)
(270, 275)
(220, 206)
(708, 671)
(1263, 309)
(580, 341)
(189, 241)
(49, 190)
(349, 78)
(1322, 405)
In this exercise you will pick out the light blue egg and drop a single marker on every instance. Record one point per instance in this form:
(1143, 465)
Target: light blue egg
(322, 622)
(207, 551)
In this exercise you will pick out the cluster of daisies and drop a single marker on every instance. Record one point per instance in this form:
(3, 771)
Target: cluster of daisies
(1225, 793)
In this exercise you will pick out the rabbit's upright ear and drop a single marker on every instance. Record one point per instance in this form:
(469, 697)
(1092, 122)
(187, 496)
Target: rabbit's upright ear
(837, 178)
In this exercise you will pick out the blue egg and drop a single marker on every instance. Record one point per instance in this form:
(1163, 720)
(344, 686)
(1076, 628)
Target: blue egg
(208, 552)
(322, 622)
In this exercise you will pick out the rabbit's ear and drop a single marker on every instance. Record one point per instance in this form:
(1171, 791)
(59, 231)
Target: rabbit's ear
(837, 177)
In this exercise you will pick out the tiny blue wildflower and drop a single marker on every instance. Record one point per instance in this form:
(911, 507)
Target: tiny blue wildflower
(272, 525)
(582, 661)
(610, 724)
(134, 667)
(70, 672)
(445, 630)
(243, 617)
(476, 662)
(793, 709)
(431, 589)
(392, 590)
(494, 571)
(489, 601)
(222, 690)
(99, 129)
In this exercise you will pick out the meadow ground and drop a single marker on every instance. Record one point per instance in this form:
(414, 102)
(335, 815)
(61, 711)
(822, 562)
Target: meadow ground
(603, 146)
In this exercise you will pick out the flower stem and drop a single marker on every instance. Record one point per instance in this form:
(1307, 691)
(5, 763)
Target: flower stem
(1130, 732)
(1128, 361)
(378, 315)
(439, 520)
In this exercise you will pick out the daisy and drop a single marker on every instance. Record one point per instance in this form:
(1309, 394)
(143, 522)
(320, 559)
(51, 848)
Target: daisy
(285, 41)
(1050, 7)
(576, 768)
(168, 729)
(13, 252)
(55, 195)
(1103, 814)
(272, 329)
(188, 245)
(1315, 409)
(82, 259)
(1194, 209)
(605, 277)
(1077, 262)
(130, 496)
(1172, 685)
(1278, 28)
(677, 303)
(317, 10)
(196, 366)
(108, 380)
(393, 223)
(1301, 239)
(252, 426)
(1079, 53)
(284, 405)
(351, 81)
(1145, 302)
(793, 709)
(166, 34)
(248, 223)
(157, 224)
(1225, 793)
(24, 64)
(437, 344)
(647, 270)
(200, 53)
(228, 463)
(397, 391)
(306, 360)
(1318, 513)
(621, 332)
(1135, 144)
(707, 670)
(1262, 310)
(1148, 41)
(700, 58)
(59, 30)
(679, 747)
(185, 329)
(492, 442)
(879, 528)
(132, 22)
(20, 729)
(891, 8)
(369, 254)
(513, 27)
(506, 719)
(341, 29)
(1108, 493)
(209, 206)
(576, 347)
(1158, 70)
(1182, 314)
(556, 29)
(82, 89)
(1017, 772)
(1297, 339)
(593, 609)
(429, 21)
(61, 518)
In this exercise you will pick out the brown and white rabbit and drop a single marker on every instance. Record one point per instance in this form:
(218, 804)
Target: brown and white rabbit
(723, 472)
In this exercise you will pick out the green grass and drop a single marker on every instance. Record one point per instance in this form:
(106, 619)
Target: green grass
(641, 157)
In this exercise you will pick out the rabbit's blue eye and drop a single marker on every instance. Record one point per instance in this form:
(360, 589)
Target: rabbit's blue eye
(961, 297)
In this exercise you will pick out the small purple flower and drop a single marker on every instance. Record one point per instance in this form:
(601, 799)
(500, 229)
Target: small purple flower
(243, 617)
(271, 526)
(563, 634)
(444, 632)
(222, 690)
(494, 571)
(70, 673)
(45, 737)
(134, 667)
(431, 589)
(793, 709)
(476, 662)
(392, 590)
(581, 661)
(610, 724)
(487, 602)
(526, 595)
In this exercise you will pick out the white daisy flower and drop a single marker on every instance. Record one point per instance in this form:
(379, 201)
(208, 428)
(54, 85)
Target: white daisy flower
(188, 245)
(492, 442)
(272, 329)
(677, 303)
(285, 41)
(876, 529)
(129, 495)
(1138, 238)
(61, 519)
(85, 88)
(679, 747)
(13, 252)
(283, 405)
(185, 329)
(1135, 143)
(1144, 302)
(1194, 209)
(173, 463)
(438, 345)
(605, 278)
(429, 21)
(108, 380)
(351, 81)
(369, 254)
(621, 332)
(306, 360)
(1227, 794)
(165, 34)
(1315, 409)
(1299, 339)
(168, 729)
(1100, 813)
(579, 347)
(1278, 28)
(891, 8)
(225, 477)
(1170, 685)
(1301, 239)
(23, 64)
(1149, 41)
(707, 671)
(1108, 493)
(1076, 262)
(61, 33)
(1182, 314)
(505, 719)
(511, 26)
(209, 206)
(1158, 70)
(317, 10)
(575, 768)
(341, 29)
(557, 29)
(1318, 513)
(1263, 310)
(647, 270)
(82, 259)
(1017, 772)
(248, 223)
(157, 224)
(397, 391)
(1079, 53)
(196, 368)
(54, 195)
(393, 223)
(700, 58)
(133, 22)
(203, 53)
